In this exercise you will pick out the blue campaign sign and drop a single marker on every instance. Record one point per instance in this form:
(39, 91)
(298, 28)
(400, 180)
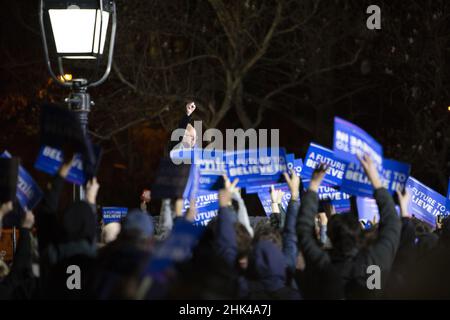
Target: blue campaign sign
(207, 203)
(113, 214)
(263, 188)
(210, 163)
(298, 166)
(316, 155)
(349, 141)
(50, 160)
(425, 203)
(290, 157)
(256, 166)
(28, 192)
(340, 200)
(368, 209)
(205, 215)
(393, 176)
(266, 201)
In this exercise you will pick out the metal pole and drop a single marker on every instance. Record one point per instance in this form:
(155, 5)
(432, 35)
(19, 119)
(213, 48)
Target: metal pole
(80, 103)
(14, 240)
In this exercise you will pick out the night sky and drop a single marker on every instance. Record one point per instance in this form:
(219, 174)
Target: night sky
(291, 65)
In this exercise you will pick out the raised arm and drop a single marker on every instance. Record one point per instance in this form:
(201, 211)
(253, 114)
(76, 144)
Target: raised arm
(382, 252)
(47, 216)
(184, 121)
(225, 241)
(290, 249)
(308, 243)
(242, 214)
(277, 218)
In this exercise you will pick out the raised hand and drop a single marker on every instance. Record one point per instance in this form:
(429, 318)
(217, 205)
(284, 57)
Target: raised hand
(226, 192)
(403, 200)
(293, 182)
(371, 170)
(317, 177)
(192, 211)
(190, 108)
(5, 208)
(179, 203)
(92, 190)
(276, 195)
(28, 220)
(145, 198)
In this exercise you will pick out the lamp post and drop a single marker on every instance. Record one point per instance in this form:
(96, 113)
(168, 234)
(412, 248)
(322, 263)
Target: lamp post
(79, 30)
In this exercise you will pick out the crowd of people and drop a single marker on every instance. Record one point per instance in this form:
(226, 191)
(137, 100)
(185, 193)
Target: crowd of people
(304, 252)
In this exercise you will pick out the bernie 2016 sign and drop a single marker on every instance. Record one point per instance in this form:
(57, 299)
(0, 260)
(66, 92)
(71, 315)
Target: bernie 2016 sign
(349, 141)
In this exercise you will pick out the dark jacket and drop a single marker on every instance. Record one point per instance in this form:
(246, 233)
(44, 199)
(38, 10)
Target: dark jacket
(118, 264)
(340, 277)
(65, 240)
(267, 273)
(290, 236)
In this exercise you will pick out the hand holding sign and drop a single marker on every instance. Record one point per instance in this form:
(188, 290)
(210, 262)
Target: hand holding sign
(371, 170)
(276, 195)
(28, 220)
(192, 212)
(65, 168)
(225, 194)
(317, 177)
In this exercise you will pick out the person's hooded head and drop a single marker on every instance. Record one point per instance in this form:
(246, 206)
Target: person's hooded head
(79, 223)
(268, 266)
(426, 243)
(344, 232)
(138, 225)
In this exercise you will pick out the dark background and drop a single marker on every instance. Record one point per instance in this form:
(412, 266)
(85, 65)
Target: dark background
(288, 64)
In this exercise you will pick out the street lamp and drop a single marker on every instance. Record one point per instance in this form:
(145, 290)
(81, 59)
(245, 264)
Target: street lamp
(79, 31)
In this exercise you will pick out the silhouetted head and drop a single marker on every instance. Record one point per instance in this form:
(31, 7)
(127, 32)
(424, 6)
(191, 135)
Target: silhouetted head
(268, 232)
(79, 223)
(344, 232)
